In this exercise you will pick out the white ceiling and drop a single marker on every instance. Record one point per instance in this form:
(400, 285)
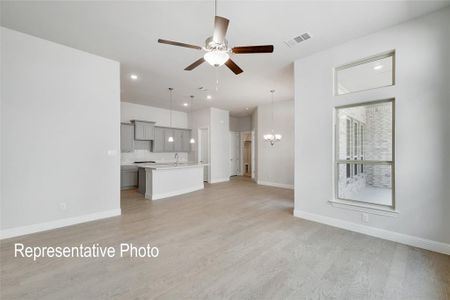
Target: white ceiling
(128, 32)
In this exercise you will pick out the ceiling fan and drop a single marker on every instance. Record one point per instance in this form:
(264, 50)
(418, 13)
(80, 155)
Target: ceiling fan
(217, 50)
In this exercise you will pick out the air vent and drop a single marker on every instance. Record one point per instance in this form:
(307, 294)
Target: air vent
(298, 39)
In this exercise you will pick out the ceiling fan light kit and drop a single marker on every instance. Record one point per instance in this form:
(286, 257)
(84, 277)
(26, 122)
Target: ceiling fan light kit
(216, 58)
(216, 47)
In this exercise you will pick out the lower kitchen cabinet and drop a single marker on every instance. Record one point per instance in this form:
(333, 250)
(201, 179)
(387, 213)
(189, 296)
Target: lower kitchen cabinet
(128, 177)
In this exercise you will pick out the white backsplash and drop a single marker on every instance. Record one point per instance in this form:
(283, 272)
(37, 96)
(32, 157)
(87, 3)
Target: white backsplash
(143, 155)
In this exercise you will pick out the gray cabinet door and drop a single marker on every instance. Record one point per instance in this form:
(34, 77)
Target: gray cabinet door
(126, 138)
(168, 147)
(179, 140)
(158, 142)
(128, 179)
(186, 141)
(144, 131)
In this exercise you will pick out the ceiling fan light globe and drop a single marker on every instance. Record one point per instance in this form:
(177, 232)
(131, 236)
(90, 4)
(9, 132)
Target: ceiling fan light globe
(216, 58)
(278, 137)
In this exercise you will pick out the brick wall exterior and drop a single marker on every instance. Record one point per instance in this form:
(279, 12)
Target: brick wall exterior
(376, 121)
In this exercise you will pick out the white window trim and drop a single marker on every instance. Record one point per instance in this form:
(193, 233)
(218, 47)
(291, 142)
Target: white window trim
(370, 59)
(356, 203)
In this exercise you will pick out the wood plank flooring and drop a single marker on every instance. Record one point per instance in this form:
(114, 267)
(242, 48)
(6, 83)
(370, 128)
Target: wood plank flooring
(233, 240)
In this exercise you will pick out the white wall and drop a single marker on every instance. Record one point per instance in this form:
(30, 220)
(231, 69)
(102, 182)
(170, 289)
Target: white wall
(255, 141)
(198, 119)
(131, 111)
(275, 164)
(240, 124)
(422, 145)
(220, 145)
(59, 135)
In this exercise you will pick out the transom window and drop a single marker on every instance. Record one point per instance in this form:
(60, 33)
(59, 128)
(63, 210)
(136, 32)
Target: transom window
(364, 153)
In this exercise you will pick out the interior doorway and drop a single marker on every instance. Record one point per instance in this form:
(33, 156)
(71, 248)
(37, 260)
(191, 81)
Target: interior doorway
(203, 151)
(247, 153)
(235, 154)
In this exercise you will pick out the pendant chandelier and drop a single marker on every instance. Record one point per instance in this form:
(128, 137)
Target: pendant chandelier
(192, 140)
(272, 137)
(170, 139)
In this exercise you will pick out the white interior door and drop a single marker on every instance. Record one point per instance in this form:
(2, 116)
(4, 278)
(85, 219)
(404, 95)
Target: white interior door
(234, 153)
(204, 150)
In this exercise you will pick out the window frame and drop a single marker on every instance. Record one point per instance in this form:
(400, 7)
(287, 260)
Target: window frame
(363, 61)
(354, 163)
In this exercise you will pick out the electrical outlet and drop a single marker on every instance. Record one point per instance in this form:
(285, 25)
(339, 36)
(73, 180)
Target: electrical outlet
(365, 217)
(63, 205)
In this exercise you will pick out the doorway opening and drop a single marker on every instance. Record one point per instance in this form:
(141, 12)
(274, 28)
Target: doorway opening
(203, 151)
(247, 153)
(235, 154)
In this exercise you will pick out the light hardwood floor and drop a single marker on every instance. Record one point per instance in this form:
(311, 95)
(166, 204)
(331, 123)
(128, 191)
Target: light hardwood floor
(231, 240)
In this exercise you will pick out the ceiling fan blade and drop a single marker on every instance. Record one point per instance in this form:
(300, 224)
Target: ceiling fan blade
(253, 49)
(173, 43)
(195, 64)
(233, 67)
(220, 29)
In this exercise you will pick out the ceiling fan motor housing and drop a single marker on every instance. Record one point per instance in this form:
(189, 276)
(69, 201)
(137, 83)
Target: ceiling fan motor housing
(211, 45)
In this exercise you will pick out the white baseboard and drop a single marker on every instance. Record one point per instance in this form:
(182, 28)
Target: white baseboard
(220, 180)
(280, 185)
(23, 230)
(377, 232)
(174, 193)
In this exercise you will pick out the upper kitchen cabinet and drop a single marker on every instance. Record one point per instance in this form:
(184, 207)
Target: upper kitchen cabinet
(126, 137)
(180, 142)
(158, 142)
(144, 131)
(168, 146)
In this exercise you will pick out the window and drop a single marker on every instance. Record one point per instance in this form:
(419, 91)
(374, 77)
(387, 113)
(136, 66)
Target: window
(370, 73)
(365, 153)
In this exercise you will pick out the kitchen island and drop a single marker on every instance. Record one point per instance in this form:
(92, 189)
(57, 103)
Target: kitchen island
(158, 181)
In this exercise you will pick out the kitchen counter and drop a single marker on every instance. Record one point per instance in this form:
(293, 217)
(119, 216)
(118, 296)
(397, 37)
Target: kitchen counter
(162, 180)
(165, 166)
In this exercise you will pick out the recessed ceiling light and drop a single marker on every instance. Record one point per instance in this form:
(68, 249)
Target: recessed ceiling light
(378, 67)
(133, 76)
(208, 97)
(185, 104)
